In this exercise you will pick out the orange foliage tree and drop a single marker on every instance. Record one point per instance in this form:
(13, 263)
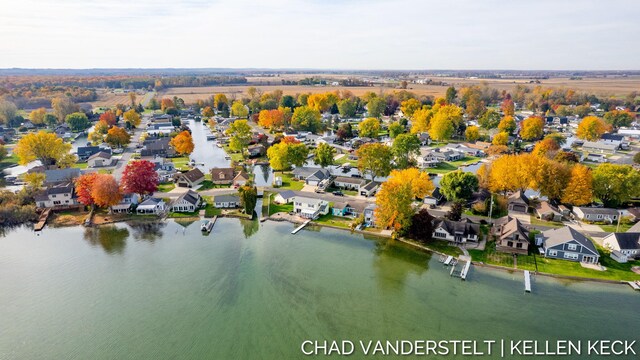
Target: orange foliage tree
(105, 191)
(108, 117)
(183, 143)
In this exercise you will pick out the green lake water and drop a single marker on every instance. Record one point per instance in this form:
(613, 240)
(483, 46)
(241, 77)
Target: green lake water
(252, 290)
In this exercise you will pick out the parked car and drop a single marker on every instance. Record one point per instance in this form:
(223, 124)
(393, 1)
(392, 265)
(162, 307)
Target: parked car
(338, 193)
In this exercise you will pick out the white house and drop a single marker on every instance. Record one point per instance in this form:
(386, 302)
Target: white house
(310, 208)
(226, 201)
(349, 183)
(457, 231)
(284, 197)
(595, 214)
(187, 202)
(152, 205)
(100, 159)
(626, 243)
(125, 204)
(57, 196)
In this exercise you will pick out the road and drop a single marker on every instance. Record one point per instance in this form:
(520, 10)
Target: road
(130, 149)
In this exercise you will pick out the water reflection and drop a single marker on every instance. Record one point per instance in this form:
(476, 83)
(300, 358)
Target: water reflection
(147, 230)
(249, 227)
(110, 238)
(391, 273)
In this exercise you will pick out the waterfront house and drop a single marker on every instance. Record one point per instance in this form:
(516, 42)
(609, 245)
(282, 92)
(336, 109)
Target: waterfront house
(59, 196)
(518, 203)
(187, 202)
(241, 179)
(427, 159)
(226, 201)
(435, 198)
(284, 197)
(310, 208)
(256, 150)
(100, 159)
(165, 169)
(447, 155)
(340, 208)
(568, 244)
(456, 231)
(597, 158)
(369, 189)
(125, 204)
(614, 139)
(158, 147)
(152, 205)
(349, 183)
(370, 215)
(222, 176)
(627, 244)
(595, 214)
(511, 236)
(55, 176)
(546, 211)
(190, 178)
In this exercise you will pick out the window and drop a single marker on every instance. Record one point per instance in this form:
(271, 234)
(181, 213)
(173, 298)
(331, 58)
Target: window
(572, 246)
(571, 256)
(440, 234)
(553, 253)
(519, 245)
(599, 216)
(510, 243)
(57, 202)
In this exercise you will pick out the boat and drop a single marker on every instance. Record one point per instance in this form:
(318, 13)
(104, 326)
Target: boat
(211, 137)
(219, 145)
(227, 157)
(206, 226)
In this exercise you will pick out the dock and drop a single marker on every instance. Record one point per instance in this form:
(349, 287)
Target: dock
(42, 220)
(634, 285)
(527, 281)
(208, 226)
(448, 260)
(465, 270)
(300, 227)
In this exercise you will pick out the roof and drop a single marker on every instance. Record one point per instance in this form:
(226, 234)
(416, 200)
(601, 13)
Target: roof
(370, 186)
(226, 198)
(308, 200)
(612, 137)
(597, 211)
(320, 174)
(553, 237)
(340, 204)
(58, 175)
(227, 172)
(518, 197)
(190, 196)
(152, 201)
(628, 240)
(358, 206)
(287, 194)
(349, 180)
(242, 175)
(599, 145)
(544, 208)
(65, 188)
(464, 227)
(511, 226)
(635, 228)
(192, 175)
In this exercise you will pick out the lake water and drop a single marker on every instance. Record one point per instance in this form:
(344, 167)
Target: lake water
(206, 154)
(252, 290)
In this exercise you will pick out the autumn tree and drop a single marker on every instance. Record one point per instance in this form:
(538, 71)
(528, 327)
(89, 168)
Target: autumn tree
(319, 102)
(140, 177)
(77, 121)
(546, 147)
(63, 106)
(131, 118)
(8, 112)
(37, 116)
(240, 135)
(618, 118)
(220, 101)
(457, 185)
(208, 112)
(636, 158)
(490, 119)
(615, 184)
(475, 106)
(404, 146)
(441, 128)
(395, 129)
(472, 133)
(273, 119)
(307, 119)
(43, 146)
(532, 128)
(507, 124)
(421, 120)
(554, 178)
(117, 137)
(566, 156)
(410, 106)
(3, 152)
(591, 128)
(166, 103)
(105, 191)
(35, 180)
(500, 139)
(450, 95)
(374, 159)
(579, 189)
(109, 117)
(495, 150)
(483, 176)
(324, 155)
(287, 153)
(508, 107)
(396, 195)
(248, 198)
(84, 186)
(183, 143)
(238, 109)
(369, 127)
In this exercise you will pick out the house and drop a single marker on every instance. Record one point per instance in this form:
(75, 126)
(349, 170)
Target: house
(435, 198)
(59, 196)
(340, 208)
(226, 201)
(635, 228)
(165, 169)
(568, 244)
(427, 160)
(222, 176)
(627, 244)
(125, 205)
(190, 178)
(633, 213)
(310, 208)
(447, 155)
(595, 214)
(284, 197)
(311, 176)
(369, 189)
(256, 150)
(157, 147)
(63, 131)
(349, 183)
(456, 231)
(84, 152)
(55, 176)
(613, 139)
(370, 215)
(100, 159)
(599, 147)
(152, 205)
(598, 158)
(187, 202)
(241, 179)
(546, 211)
(511, 236)
(424, 138)
(7, 134)
(518, 203)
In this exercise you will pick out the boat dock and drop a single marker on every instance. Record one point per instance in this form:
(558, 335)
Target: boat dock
(527, 281)
(208, 226)
(464, 271)
(300, 227)
(634, 285)
(42, 220)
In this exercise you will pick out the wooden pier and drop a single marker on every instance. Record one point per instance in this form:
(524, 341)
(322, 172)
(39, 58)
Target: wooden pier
(527, 281)
(634, 285)
(300, 227)
(42, 220)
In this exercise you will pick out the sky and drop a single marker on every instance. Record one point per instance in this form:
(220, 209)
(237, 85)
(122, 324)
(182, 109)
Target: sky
(321, 34)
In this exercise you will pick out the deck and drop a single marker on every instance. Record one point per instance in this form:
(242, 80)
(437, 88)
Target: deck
(527, 281)
(42, 220)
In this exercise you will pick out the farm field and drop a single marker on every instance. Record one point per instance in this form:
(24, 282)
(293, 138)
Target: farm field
(110, 99)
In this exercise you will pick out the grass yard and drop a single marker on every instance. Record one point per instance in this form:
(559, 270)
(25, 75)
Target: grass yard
(536, 221)
(274, 208)
(443, 246)
(206, 185)
(166, 187)
(234, 156)
(181, 163)
(9, 161)
(210, 210)
(332, 220)
(178, 215)
(614, 228)
(289, 183)
(345, 160)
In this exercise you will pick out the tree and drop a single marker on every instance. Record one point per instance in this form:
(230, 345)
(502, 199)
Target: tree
(507, 124)
(34, 179)
(319, 102)
(344, 132)
(63, 106)
(78, 121)
(105, 191)
(376, 106)
(421, 227)
(403, 147)
(139, 177)
(458, 185)
(500, 139)
(286, 153)
(591, 128)
(617, 118)
(475, 106)
(273, 119)
(248, 198)
(166, 104)
(375, 159)
(132, 118)
(183, 143)
(8, 111)
(395, 129)
(579, 189)
(239, 109)
(483, 176)
(441, 127)
(472, 133)
(46, 147)
(3, 152)
(532, 128)
(508, 107)
(117, 137)
(615, 184)
(306, 118)
(566, 156)
(546, 147)
(37, 116)
(84, 186)
(421, 120)
(455, 212)
(347, 108)
(396, 196)
(109, 117)
(636, 158)
(324, 155)
(495, 150)
(450, 95)
(240, 133)
(220, 101)
(50, 120)
(208, 112)
(369, 127)
(554, 178)
(410, 106)
(490, 119)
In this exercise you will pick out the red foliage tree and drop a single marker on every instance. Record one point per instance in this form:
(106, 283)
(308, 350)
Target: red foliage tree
(140, 177)
(84, 186)
(109, 117)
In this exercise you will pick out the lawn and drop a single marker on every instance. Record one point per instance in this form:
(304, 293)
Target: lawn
(332, 220)
(274, 208)
(345, 160)
(206, 185)
(289, 183)
(445, 167)
(184, 215)
(235, 156)
(614, 228)
(210, 210)
(442, 246)
(536, 221)
(9, 161)
(166, 187)
(181, 163)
